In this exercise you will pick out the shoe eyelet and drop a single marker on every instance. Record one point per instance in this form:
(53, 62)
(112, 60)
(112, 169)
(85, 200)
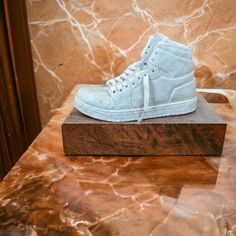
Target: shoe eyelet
(153, 71)
(145, 52)
(145, 63)
(126, 86)
(120, 90)
(148, 46)
(139, 78)
(133, 83)
(114, 91)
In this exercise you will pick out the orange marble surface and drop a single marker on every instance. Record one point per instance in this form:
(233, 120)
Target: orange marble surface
(47, 193)
(90, 41)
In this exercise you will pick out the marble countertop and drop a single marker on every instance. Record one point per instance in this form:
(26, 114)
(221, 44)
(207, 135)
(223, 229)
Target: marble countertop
(47, 193)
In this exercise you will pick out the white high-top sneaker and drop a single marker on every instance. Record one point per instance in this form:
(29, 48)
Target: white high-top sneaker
(162, 83)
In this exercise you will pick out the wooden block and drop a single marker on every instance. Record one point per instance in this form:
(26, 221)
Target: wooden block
(199, 133)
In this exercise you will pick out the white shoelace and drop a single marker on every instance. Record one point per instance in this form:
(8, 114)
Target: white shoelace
(146, 90)
(120, 81)
(115, 84)
(126, 79)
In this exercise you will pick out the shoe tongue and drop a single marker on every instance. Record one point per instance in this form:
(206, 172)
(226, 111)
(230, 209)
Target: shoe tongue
(152, 41)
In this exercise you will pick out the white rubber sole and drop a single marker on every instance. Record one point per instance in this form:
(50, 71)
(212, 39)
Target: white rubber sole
(170, 109)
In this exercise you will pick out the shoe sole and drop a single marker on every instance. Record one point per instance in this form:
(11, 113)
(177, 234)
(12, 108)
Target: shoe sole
(170, 109)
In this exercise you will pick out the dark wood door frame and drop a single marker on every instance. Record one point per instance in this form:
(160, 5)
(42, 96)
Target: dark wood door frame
(19, 114)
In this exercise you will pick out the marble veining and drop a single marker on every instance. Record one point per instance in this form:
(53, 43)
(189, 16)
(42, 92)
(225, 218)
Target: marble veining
(47, 193)
(91, 41)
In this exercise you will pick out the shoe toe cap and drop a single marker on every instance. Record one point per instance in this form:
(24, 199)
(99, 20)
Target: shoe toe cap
(97, 97)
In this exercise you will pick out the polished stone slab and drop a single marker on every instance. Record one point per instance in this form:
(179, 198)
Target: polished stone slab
(199, 133)
(48, 193)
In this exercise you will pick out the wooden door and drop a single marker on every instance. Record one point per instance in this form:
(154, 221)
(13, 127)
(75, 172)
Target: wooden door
(19, 115)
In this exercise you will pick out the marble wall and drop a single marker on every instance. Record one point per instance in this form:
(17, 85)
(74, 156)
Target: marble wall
(90, 41)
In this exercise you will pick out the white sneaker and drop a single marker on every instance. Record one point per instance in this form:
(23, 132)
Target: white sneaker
(162, 83)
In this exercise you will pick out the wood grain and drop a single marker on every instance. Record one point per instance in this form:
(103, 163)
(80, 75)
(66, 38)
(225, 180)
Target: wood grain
(19, 115)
